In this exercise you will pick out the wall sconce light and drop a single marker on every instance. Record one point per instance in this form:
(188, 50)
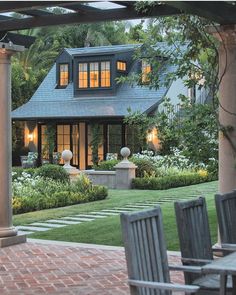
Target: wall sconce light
(30, 136)
(150, 135)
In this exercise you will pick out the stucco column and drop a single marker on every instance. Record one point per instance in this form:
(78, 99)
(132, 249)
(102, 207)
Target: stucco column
(227, 109)
(6, 228)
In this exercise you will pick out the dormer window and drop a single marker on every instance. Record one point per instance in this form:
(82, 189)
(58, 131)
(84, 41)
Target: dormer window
(121, 66)
(146, 70)
(94, 75)
(63, 75)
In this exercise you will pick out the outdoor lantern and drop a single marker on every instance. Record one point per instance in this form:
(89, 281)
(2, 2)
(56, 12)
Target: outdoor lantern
(151, 135)
(30, 136)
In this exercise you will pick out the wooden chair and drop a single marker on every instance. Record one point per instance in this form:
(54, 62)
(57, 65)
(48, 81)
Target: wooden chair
(195, 244)
(226, 214)
(146, 256)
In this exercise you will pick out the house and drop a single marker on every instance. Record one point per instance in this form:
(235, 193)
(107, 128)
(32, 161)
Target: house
(80, 92)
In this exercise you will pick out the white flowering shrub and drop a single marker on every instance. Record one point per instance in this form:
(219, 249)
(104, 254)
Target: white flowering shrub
(34, 192)
(175, 163)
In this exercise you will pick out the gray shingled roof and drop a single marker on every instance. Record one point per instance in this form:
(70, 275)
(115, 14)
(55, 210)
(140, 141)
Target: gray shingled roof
(101, 49)
(51, 102)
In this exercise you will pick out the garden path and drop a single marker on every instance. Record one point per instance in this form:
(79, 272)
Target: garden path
(93, 215)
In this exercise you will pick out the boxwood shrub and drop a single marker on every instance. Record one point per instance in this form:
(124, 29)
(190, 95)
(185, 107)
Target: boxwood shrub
(172, 181)
(54, 172)
(107, 165)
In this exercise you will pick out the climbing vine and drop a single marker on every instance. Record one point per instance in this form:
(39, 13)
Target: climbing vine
(96, 142)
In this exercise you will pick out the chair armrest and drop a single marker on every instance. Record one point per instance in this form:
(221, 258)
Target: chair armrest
(194, 260)
(186, 268)
(164, 286)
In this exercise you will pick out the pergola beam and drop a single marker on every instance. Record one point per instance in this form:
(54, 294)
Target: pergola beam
(15, 6)
(35, 12)
(93, 16)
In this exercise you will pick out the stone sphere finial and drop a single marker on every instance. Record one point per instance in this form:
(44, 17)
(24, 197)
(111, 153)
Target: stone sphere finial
(125, 152)
(67, 156)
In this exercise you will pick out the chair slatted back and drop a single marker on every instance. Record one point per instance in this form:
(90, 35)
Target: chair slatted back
(193, 231)
(145, 249)
(226, 214)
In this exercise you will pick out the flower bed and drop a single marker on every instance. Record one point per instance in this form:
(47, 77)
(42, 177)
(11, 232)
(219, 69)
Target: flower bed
(36, 189)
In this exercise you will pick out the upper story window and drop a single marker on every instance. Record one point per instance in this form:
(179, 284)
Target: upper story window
(94, 75)
(146, 70)
(63, 75)
(121, 66)
(83, 75)
(105, 74)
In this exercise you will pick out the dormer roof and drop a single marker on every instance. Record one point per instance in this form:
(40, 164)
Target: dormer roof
(50, 102)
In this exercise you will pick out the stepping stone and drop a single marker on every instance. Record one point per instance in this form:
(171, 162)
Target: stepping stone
(124, 209)
(63, 221)
(78, 218)
(114, 211)
(50, 225)
(154, 204)
(105, 214)
(22, 232)
(89, 216)
(34, 228)
(138, 206)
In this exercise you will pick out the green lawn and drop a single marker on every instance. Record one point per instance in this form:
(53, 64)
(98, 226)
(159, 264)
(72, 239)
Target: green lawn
(107, 231)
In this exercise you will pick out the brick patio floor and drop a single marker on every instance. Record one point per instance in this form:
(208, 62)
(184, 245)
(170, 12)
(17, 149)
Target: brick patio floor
(59, 268)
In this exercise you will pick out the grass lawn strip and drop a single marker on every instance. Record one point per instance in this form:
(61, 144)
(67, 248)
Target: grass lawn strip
(106, 230)
(104, 213)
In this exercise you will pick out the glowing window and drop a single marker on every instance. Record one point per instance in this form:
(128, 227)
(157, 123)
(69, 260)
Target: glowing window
(105, 74)
(121, 66)
(93, 75)
(63, 74)
(83, 75)
(146, 70)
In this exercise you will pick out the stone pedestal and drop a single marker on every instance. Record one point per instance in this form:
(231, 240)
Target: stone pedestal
(72, 171)
(125, 171)
(227, 108)
(8, 234)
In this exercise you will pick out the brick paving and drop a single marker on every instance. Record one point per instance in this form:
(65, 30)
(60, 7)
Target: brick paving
(53, 268)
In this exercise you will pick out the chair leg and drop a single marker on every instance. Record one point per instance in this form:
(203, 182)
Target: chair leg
(234, 285)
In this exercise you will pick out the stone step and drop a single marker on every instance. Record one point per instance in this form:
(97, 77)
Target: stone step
(46, 224)
(89, 216)
(78, 218)
(32, 228)
(105, 214)
(67, 222)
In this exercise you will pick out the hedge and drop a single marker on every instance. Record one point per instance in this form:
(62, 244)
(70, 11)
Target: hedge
(172, 181)
(58, 199)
